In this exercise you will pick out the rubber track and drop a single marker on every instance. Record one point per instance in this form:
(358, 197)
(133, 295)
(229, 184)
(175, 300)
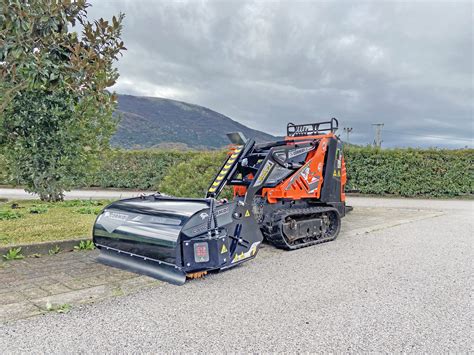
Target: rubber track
(274, 232)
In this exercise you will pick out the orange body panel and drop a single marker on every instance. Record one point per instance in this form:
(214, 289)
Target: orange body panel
(343, 180)
(306, 182)
(301, 184)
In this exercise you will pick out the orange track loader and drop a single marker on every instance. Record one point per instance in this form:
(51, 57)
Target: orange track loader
(289, 192)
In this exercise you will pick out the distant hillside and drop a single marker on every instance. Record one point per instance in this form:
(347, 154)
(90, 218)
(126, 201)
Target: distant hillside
(156, 122)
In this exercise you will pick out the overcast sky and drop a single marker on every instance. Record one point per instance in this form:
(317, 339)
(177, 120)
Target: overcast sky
(408, 64)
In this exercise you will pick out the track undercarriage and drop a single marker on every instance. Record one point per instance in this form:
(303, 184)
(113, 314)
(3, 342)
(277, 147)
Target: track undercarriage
(295, 228)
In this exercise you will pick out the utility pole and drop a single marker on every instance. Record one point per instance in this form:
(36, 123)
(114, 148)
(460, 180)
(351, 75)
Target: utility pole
(378, 134)
(348, 130)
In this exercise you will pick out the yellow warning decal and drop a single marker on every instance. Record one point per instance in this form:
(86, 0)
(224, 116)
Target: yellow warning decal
(225, 170)
(224, 249)
(238, 257)
(247, 213)
(251, 252)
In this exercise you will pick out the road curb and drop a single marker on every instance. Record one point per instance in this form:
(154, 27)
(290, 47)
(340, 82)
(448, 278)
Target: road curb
(45, 247)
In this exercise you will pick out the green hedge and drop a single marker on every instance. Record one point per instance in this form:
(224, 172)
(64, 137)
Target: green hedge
(399, 172)
(138, 169)
(410, 172)
(126, 169)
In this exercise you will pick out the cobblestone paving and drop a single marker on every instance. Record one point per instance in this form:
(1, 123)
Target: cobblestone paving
(62, 280)
(30, 286)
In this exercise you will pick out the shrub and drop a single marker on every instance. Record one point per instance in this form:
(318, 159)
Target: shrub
(192, 178)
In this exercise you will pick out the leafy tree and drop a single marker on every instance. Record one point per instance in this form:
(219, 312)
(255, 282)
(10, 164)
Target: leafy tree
(55, 110)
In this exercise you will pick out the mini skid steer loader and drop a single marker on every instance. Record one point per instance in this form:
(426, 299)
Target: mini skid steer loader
(289, 192)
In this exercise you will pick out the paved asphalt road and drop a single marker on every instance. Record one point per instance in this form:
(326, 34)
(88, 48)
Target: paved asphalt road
(20, 194)
(406, 288)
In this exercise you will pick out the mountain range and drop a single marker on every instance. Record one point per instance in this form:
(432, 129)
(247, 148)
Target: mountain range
(147, 122)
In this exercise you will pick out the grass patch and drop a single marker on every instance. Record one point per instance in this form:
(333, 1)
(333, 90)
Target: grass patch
(6, 215)
(62, 308)
(38, 209)
(31, 222)
(81, 203)
(13, 254)
(4, 238)
(54, 250)
(89, 210)
(85, 245)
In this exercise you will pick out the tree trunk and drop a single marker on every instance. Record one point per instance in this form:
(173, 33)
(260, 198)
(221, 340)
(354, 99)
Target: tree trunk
(52, 197)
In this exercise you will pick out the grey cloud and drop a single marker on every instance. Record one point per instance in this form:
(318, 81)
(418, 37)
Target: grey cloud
(408, 65)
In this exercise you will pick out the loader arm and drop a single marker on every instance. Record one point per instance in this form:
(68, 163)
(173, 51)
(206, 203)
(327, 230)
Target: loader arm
(228, 168)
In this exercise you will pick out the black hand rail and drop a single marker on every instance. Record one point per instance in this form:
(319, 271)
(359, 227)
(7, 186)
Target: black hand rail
(312, 129)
